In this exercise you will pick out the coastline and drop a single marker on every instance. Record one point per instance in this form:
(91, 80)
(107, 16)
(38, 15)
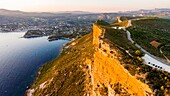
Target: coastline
(30, 91)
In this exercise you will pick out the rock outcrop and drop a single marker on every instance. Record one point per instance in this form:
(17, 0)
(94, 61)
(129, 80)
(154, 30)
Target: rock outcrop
(87, 67)
(107, 70)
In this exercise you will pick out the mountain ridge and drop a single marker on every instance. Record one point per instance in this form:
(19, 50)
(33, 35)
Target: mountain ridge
(87, 66)
(6, 12)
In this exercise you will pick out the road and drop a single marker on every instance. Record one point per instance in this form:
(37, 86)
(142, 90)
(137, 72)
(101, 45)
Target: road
(150, 59)
(167, 59)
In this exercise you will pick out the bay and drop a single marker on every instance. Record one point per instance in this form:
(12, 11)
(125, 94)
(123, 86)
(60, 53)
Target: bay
(21, 58)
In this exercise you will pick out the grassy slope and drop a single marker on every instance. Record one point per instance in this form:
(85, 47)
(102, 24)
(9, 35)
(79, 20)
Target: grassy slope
(113, 37)
(116, 35)
(155, 78)
(102, 23)
(67, 71)
(145, 31)
(121, 24)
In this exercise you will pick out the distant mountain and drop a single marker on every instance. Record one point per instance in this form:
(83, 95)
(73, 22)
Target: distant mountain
(75, 12)
(163, 9)
(5, 12)
(151, 10)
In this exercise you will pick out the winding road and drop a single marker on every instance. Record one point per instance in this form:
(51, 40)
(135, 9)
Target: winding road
(150, 59)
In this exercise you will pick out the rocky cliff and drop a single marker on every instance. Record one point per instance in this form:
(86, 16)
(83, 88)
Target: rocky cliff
(108, 72)
(87, 66)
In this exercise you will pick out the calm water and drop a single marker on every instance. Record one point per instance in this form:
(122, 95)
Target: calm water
(20, 60)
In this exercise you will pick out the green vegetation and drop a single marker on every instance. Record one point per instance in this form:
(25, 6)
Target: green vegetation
(118, 40)
(115, 24)
(102, 23)
(116, 35)
(146, 30)
(67, 72)
(166, 17)
(130, 17)
(158, 80)
(154, 78)
(120, 24)
(166, 51)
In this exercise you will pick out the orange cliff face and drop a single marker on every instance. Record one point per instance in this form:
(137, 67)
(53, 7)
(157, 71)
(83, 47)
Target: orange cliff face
(108, 74)
(87, 67)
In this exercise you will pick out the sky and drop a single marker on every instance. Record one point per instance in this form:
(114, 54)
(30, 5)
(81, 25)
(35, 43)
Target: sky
(82, 5)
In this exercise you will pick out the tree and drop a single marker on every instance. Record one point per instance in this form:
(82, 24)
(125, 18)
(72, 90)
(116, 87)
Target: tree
(138, 52)
(139, 58)
(162, 87)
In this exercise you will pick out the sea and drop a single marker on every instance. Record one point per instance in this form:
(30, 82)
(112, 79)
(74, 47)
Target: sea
(21, 58)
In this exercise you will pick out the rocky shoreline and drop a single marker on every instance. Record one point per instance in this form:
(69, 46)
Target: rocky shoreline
(29, 92)
(37, 33)
(52, 36)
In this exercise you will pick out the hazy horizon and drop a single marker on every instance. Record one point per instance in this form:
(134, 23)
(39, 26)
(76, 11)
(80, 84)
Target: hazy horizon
(83, 5)
(78, 10)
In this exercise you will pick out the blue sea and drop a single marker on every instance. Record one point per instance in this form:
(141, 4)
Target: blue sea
(20, 60)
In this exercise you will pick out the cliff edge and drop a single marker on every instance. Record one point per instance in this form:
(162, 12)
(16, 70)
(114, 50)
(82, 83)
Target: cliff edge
(88, 66)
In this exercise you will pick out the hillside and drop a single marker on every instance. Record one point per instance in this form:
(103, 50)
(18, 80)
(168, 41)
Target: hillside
(102, 63)
(84, 69)
(17, 13)
(153, 29)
